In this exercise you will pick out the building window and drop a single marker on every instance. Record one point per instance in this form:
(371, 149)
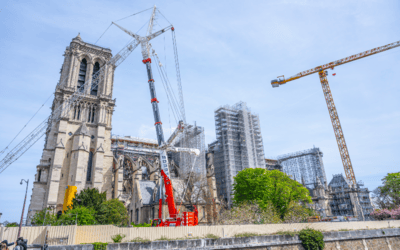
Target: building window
(39, 175)
(91, 114)
(93, 90)
(89, 168)
(152, 212)
(82, 75)
(204, 212)
(77, 112)
(137, 215)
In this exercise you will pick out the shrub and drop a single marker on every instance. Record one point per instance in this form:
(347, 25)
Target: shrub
(382, 214)
(297, 213)
(141, 225)
(246, 235)
(312, 239)
(290, 233)
(212, 236)
(249, 213)
(141, 240)
(163, 238)
(99, 246)
(12, 224)
(118, 238)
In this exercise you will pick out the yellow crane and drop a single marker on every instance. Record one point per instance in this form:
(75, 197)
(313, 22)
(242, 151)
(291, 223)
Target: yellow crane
(337, 128)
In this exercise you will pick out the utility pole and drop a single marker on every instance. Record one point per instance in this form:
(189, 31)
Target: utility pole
(23, 208)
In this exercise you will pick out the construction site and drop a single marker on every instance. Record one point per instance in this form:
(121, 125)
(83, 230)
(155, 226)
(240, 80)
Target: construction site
(175, 181)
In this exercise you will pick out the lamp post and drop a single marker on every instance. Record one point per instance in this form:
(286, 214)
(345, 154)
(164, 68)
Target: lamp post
(23, 208)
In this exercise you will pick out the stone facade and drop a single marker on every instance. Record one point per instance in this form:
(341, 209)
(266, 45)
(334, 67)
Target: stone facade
(77, 149)
(137, 182)
(338, 199)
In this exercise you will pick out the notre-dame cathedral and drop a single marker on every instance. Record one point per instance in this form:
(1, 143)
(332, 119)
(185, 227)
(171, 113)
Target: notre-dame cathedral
(78, 148)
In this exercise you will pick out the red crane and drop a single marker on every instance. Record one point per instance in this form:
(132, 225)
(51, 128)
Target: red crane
(188, 218)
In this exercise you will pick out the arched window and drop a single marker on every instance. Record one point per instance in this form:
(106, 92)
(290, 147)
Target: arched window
(91, 113)
(77, 112)
(89, 168)
(82, 75)
(93, 90)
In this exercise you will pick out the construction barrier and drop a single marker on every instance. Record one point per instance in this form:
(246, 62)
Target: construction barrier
(70, 235)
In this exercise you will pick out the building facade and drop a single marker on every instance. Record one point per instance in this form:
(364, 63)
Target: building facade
(305, 166)
(77, 146)
(338, 198)
(239, 145)
(137, 182)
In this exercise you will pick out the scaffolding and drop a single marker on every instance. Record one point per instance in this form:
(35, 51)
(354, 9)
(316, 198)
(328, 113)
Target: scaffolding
(191, 137)
(343, 200)
(305, 166)
(238, 146)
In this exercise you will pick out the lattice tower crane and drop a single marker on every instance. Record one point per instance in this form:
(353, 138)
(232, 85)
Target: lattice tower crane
(337, 128)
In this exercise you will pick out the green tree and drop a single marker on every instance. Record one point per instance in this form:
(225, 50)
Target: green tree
(49, 219)
(90, 198)
(112, 212)
(82, 215)
(391, 188)
(268, 187)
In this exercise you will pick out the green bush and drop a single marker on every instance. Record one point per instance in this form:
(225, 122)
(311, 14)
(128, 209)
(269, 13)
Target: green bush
(140, 240)
(12, 224)
(99, 246)
(246, 235)
(290, 233)
(312, 239)
(212, 236)
(141, 225)
(118, 238)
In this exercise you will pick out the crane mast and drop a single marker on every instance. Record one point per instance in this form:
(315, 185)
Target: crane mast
(164, 147)
(337, 127)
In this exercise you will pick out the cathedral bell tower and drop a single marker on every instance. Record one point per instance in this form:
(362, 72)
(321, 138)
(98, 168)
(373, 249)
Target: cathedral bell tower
(77, 149)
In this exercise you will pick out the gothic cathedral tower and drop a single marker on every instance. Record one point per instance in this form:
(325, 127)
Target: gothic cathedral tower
(77, 149)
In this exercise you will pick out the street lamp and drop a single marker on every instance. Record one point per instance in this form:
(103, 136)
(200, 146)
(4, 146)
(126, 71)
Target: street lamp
(23, 208)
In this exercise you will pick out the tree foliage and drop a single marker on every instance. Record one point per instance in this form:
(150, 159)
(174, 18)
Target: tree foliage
(12, 224)
(90, 197)
(112, 212)
(81, 215)
(269, 187)
(89, 208)
(387, 196)
(248, 213)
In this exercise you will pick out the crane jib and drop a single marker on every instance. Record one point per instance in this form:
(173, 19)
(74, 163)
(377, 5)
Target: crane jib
(277, 82)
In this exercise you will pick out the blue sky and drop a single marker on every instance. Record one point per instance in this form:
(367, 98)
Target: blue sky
(229, 51)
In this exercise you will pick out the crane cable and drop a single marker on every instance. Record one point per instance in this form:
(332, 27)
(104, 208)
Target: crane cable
(4, 150)
(175, 110)
(178, 76)
(170, 94)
